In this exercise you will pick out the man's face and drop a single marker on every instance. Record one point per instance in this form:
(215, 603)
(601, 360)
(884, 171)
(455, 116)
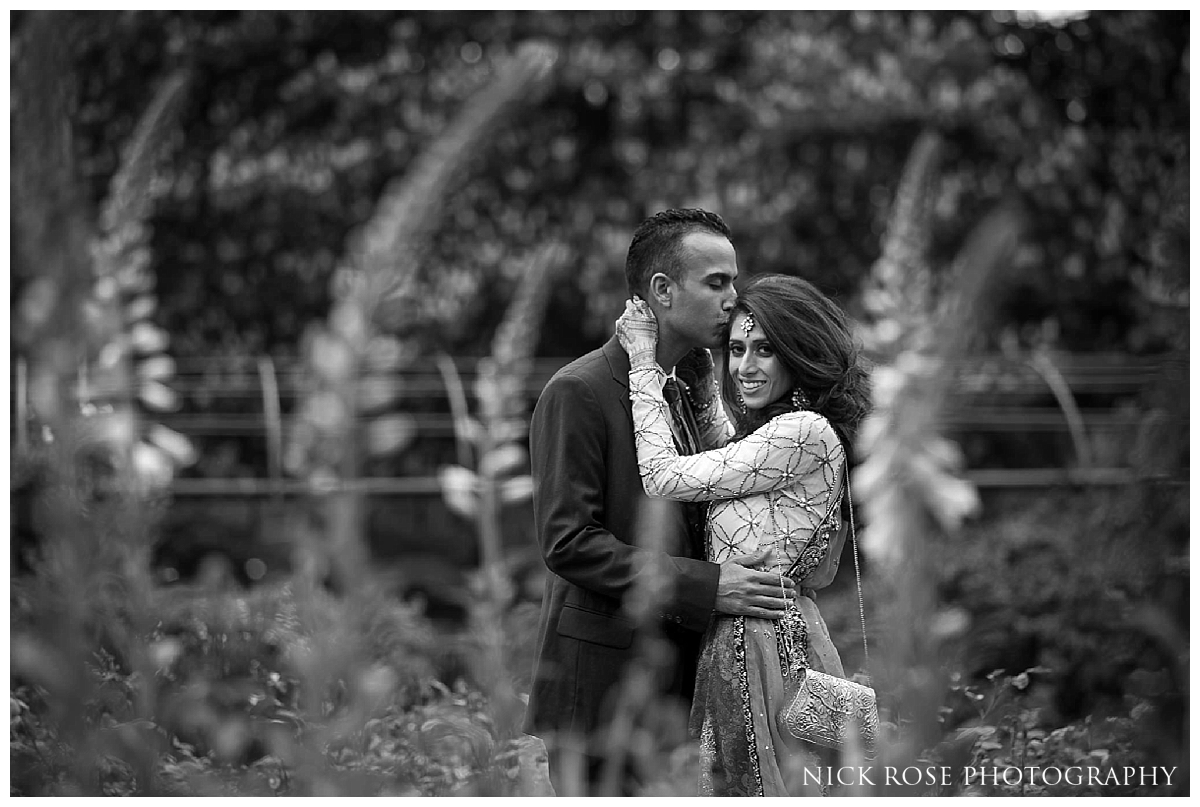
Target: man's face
(703, 298)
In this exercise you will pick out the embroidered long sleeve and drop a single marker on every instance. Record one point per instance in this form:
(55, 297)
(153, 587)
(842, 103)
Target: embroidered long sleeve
(781, 454)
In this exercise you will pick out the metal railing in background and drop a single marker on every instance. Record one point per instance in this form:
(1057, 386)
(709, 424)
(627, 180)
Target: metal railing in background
(1083, 396)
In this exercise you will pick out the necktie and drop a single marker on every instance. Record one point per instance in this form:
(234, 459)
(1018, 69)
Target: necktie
(685, 434)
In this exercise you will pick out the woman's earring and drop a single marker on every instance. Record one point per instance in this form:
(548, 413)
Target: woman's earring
(741, 403)
(799, 399)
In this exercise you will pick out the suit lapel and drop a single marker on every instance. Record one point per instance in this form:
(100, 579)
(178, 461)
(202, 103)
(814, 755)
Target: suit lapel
(618, 365)
(618, 361)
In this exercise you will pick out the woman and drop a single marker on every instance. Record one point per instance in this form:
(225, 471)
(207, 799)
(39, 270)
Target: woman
(797, 391)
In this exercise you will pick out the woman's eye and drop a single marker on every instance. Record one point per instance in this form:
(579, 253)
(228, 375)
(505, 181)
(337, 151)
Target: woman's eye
(735, 350)
(766, 352)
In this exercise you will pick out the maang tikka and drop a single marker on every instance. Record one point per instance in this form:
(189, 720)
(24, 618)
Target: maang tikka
(747, 324)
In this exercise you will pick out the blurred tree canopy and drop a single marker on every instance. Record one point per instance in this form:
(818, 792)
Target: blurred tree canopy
(793, 125)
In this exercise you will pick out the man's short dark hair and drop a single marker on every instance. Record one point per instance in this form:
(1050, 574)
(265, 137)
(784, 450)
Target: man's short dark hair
(656, 244)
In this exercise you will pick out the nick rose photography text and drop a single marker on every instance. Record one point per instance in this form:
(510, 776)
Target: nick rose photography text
(869, 775)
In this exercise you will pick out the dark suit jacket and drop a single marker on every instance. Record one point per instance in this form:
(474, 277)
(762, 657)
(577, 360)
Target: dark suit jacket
(587, 496)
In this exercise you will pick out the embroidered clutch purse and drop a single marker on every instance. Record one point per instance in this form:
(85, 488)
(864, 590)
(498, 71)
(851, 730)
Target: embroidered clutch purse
(827, 710)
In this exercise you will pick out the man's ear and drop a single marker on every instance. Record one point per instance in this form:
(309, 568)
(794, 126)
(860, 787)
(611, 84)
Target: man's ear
(660, 289)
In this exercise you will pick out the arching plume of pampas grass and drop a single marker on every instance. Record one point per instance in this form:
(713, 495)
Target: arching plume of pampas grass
(910, 481)
(130, 372)
(374, 285)
(410, 208)
(899, 291)
(373, 290)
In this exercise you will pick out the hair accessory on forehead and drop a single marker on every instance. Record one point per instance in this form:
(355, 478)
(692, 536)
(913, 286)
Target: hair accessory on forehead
(748, 324)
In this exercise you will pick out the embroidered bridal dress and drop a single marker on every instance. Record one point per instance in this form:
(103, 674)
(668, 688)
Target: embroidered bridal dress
(770, 489)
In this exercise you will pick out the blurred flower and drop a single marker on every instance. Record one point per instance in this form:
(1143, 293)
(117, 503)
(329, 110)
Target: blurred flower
(165, 652)
(460, 489)
(389, 434)
(153, 465)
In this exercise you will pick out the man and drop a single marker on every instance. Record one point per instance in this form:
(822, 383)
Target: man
(587, 496)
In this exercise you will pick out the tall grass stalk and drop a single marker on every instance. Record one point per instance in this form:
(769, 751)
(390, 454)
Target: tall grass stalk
(89, 601)
(377, 280)
(496, 441)
(910, 480)
(503, 407)
(379, 271)
(502, 456)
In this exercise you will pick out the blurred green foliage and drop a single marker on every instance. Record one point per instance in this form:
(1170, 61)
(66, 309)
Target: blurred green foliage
(794, 125)
(283, 690)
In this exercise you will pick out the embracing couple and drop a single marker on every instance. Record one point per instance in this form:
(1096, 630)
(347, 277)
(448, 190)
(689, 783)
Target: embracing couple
(760, 483)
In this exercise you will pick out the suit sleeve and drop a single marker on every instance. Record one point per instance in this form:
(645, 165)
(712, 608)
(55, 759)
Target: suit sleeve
(567, 449)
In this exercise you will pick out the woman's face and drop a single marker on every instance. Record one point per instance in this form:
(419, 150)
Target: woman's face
(754, 367)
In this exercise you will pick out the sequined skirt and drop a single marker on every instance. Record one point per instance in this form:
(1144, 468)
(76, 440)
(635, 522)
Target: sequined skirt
(740, 686)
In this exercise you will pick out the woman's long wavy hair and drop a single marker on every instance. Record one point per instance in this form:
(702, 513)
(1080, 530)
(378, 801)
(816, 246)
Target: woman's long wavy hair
(812, 338)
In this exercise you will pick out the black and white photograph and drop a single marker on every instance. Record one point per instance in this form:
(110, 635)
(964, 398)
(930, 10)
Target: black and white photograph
(669, 403)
